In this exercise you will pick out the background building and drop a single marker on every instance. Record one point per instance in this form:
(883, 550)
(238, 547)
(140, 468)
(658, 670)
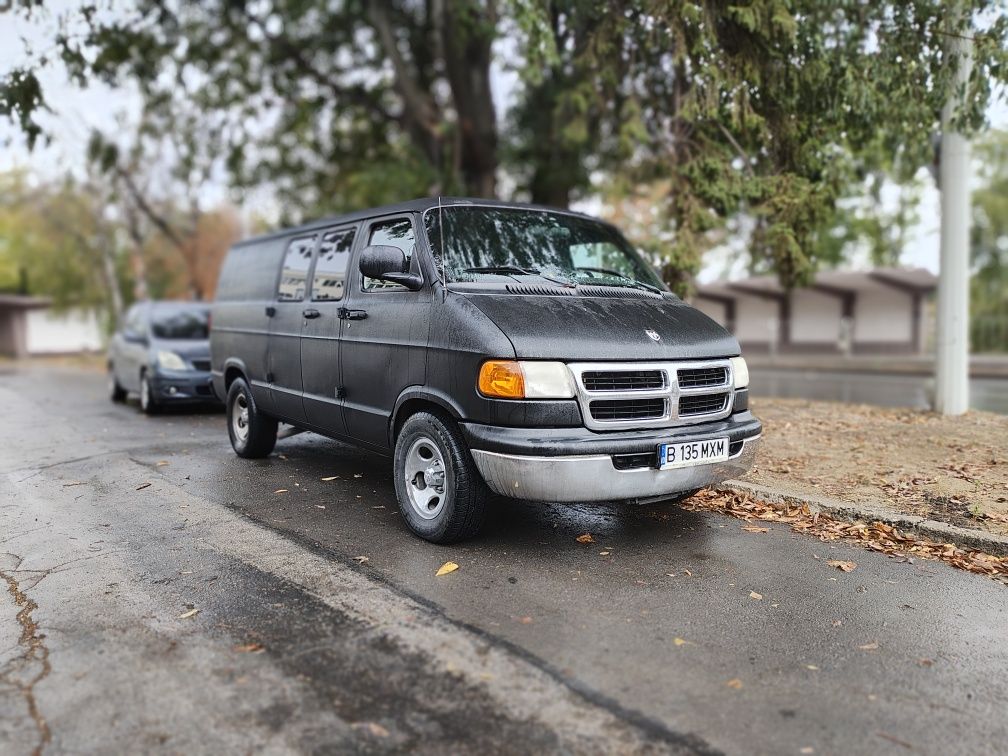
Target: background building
(881, 311)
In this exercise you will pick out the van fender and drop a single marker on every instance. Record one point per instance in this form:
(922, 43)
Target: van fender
(412, 394)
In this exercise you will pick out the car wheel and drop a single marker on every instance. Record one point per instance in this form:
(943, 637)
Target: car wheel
(116, 392)
(148, 403)
(441, 494)
(253, 434)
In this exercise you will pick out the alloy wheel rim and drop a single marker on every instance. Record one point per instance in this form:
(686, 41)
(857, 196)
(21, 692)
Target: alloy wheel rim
(425, 474)
(240, 417)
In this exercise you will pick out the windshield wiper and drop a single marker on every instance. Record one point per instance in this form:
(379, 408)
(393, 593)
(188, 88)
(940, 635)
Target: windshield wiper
(629, 281)
(514, 269)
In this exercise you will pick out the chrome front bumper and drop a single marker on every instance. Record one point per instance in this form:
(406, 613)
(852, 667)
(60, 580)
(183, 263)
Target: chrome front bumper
(595, 478)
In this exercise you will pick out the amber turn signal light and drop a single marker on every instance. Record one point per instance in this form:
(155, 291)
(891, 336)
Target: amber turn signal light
(502, 379)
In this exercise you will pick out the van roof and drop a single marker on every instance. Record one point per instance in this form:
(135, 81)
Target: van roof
(410, 206)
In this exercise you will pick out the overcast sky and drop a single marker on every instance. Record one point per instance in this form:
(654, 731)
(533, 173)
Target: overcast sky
(78, 111)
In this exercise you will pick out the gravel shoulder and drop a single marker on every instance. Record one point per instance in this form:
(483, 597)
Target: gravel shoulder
(950, 469)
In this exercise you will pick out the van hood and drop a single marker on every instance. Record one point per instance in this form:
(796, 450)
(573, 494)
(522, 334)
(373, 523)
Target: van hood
(605, 328)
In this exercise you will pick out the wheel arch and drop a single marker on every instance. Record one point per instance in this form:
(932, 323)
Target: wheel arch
(418, 399)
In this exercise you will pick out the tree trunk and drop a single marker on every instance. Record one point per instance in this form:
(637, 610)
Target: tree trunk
(468, 35)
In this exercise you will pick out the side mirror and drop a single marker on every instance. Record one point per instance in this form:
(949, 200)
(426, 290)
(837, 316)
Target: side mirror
(388, 263)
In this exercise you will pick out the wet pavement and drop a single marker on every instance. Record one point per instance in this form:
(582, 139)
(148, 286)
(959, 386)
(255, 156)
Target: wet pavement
(321, 625)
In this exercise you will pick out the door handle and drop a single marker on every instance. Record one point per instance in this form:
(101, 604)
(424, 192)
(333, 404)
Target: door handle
(311, 313)
(346, 314)
(270, 311)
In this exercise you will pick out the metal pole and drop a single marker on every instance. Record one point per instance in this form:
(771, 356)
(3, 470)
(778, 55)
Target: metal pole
(952, 348)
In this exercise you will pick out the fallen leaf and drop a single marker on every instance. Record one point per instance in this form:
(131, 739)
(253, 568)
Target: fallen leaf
(361, 559)
(813, 667)
(250, 648)
(806, 749)
(734, 684)
(687, 573)
(372, 727)
(604, 553)
(445, 568)
(331, 477)
(842, 565)
(680, 641)
(190, 613)
(142, 486)
(754, 595)
(280, 490)
(925, 662)
(525, 620)
(320, 506)
(162, 463)
(755, 529)
(585, 538)
(873, 646)
(358, 475)
(282, 456)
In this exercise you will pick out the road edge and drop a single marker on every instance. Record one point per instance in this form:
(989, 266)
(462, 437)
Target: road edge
(979, 540)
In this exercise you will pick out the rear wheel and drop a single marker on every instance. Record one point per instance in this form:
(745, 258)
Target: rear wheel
(116, 392)
(253, 435)
(441, 494)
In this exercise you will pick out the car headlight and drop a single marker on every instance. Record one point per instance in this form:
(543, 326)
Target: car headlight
(171, 361)
(509, 379)
(741, 372)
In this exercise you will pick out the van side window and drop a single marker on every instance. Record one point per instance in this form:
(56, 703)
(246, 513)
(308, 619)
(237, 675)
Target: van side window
(394, 233)
(331, 266)
(294, 275)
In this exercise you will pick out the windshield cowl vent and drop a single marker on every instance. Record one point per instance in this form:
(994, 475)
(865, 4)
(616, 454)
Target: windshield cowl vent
(538, 291)
(617, 292)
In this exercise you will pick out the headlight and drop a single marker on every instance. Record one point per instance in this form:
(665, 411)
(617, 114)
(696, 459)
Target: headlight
(507, 379)
(171, 361)
(741, 372)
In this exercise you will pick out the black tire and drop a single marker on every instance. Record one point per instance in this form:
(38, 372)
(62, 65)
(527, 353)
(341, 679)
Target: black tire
(116, 392)
(253, 434)
(148, 402)
(461, 505)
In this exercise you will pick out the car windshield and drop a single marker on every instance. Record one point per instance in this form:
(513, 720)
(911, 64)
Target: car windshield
(181, 323)
(492, 241)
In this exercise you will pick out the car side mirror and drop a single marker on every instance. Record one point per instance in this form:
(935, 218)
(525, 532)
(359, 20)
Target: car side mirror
(388, 263)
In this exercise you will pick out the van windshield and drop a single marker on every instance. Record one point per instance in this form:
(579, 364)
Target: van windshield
(181, 323)
(480, 242)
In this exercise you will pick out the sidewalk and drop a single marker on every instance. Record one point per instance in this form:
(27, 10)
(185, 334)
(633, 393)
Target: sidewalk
(981, 366)
(878, 460)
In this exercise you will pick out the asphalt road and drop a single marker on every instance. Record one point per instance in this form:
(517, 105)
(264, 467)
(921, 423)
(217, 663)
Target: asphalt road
(320, 625)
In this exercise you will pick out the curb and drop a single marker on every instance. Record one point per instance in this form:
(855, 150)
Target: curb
(989, 543)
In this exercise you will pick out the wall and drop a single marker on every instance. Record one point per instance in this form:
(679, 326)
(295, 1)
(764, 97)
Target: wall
(815, 317)
(65, 332)
(883, 317)
(756, 319)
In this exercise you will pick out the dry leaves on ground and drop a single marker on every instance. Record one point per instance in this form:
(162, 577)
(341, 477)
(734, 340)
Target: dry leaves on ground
(585, 538)
(842, 565)
(876, 536)
(190, 613)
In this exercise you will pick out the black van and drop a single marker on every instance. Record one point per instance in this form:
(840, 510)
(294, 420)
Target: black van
(487, 347)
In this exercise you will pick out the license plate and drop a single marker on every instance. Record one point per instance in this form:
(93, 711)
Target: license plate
(692, 453)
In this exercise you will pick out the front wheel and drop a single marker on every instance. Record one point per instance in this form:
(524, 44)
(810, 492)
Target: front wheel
(253, 434)
(148, 404)
(440, 492)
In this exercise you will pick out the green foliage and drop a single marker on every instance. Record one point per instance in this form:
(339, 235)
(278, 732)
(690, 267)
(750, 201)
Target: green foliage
(780, 111)
(989, 249)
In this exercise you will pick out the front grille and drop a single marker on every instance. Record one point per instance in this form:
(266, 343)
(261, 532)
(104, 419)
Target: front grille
(631, 395)
(627, 409)
(201, 364)
(623, 380)
(702, 377)
(701, 404)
